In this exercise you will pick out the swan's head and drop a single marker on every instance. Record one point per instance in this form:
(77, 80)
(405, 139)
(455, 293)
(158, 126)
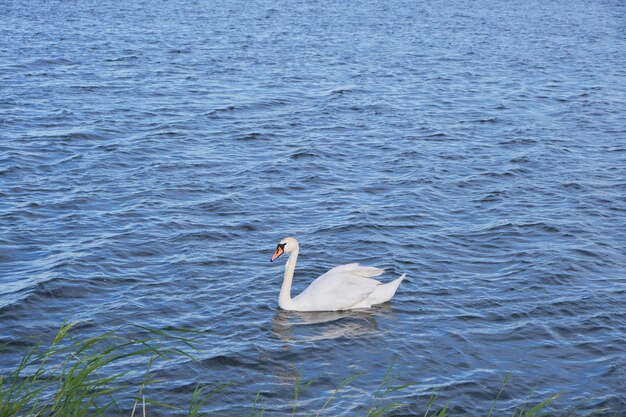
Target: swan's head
(287, 245)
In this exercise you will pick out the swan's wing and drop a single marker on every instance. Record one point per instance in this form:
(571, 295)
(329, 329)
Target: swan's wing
(355, 268)
(340, 288)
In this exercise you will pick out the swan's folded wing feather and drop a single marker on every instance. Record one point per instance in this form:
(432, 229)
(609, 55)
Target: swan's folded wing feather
(355, 268)
(340, 288)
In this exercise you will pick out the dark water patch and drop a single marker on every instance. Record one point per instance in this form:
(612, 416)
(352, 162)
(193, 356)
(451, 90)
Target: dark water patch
(43, 62)
(436, 136)
(518, 142)
(79, 136)
(520, 160)
(494, 196)
(125, 58)
(482, 120)
(252, 136)
(340, 91)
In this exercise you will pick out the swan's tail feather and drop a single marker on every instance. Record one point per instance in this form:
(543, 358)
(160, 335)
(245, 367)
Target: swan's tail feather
(393, 285)
(382, 293)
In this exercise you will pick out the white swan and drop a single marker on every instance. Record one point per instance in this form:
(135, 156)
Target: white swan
(344, 287)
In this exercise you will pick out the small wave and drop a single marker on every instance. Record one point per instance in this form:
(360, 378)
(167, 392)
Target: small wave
(586, 253)
(9, 169)
(493, 174)
(493, 197)
(90, 88)
(264, 104)
(178, 51)
(436, 135)
(225, 361)
(269, 103)
(125, 58)
(51, 61)
(518, 142)
(517, 229)
(572, 186)
(341, 90)
(250, 136)
(80, 135)
(204, 235)
(481, 121)
(520, 160)
(308, 154)
(221, 206)
(217, 112)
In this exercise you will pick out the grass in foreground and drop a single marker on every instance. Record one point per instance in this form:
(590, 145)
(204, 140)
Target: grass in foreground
(90, 378)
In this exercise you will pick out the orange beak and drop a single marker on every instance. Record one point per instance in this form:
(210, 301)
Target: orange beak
(279, 251)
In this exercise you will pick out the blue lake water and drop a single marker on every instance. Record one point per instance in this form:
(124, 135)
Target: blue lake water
(152, 154)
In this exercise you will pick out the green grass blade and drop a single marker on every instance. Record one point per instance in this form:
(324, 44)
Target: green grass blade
(537, 408)
(506, 381)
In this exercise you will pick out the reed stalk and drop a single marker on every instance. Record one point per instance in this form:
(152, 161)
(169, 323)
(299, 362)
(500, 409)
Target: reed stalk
(77, 378)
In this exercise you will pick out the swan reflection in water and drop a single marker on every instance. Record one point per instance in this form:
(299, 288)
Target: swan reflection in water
(293, 326)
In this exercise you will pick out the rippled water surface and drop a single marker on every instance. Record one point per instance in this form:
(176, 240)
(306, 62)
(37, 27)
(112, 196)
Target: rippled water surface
(152, 154)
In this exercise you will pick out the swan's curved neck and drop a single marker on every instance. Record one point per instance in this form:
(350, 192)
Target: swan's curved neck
(284, 298)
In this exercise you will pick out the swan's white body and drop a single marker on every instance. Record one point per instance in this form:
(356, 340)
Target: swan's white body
(344, 287)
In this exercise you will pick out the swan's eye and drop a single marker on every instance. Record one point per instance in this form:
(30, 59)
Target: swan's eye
(281, 246)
